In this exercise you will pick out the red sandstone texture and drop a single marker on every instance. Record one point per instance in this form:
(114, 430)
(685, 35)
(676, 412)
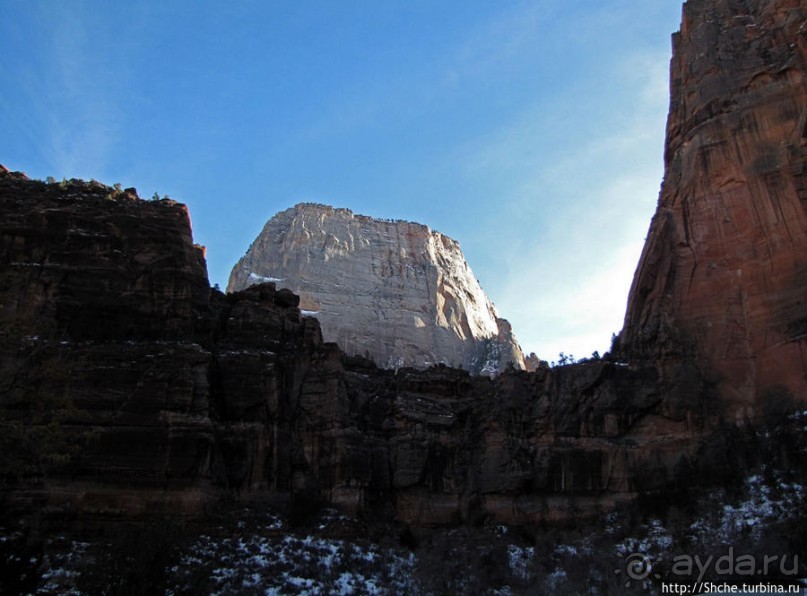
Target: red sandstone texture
(127, 385)
(722, 281)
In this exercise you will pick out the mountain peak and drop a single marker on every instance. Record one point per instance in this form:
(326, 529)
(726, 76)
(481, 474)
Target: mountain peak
(393, 290)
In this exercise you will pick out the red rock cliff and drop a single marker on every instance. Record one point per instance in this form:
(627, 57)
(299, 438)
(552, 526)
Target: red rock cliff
(722, 281)
(125, 382)
(128, 386)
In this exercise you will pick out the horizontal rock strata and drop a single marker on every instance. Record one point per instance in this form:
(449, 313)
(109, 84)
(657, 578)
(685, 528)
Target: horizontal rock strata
(128, 386)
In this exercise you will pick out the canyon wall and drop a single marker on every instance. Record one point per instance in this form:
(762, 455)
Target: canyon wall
(126, 383)
(129, 387)
(722, 281)
(394, 291)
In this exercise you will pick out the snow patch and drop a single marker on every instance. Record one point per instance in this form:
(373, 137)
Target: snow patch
(262, 278)
(519, 560)
(291, 564)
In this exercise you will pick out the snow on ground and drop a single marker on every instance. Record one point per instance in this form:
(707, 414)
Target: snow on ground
(520, 559)
(655, 542)
(293, 564)
(60, 573)
(267, 557)
(762, 505)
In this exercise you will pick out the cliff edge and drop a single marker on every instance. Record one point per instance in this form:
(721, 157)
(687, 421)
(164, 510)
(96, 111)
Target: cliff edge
(394, 291)
(721, 282)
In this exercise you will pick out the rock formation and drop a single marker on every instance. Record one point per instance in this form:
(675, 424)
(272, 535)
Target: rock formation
(394, 291)
(125, 381)
(102, 298)
(128, 386)
(722, 281)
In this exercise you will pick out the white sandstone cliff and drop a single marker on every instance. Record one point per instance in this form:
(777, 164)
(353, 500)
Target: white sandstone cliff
(395, 291)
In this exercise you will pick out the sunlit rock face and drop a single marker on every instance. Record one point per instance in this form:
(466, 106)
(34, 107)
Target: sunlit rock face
(723, 276)
(395, 291)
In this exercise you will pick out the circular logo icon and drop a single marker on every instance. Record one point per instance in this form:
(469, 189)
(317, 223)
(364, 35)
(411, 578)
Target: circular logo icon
(638, 566)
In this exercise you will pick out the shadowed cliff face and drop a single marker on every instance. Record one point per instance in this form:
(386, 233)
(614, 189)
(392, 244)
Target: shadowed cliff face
(99, 263)
(125, 382)
(127, 386)
(394, 291)
(722, 280)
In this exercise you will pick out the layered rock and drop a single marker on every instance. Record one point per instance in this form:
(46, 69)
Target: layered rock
(394, 291)
(125, 382)
(722, 281)
(128, 386)
(102, 299)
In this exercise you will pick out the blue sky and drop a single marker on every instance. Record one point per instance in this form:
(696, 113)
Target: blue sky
(531, 132)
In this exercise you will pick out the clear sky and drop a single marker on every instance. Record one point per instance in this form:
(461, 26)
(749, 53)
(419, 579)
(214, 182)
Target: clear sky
(531, 132)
